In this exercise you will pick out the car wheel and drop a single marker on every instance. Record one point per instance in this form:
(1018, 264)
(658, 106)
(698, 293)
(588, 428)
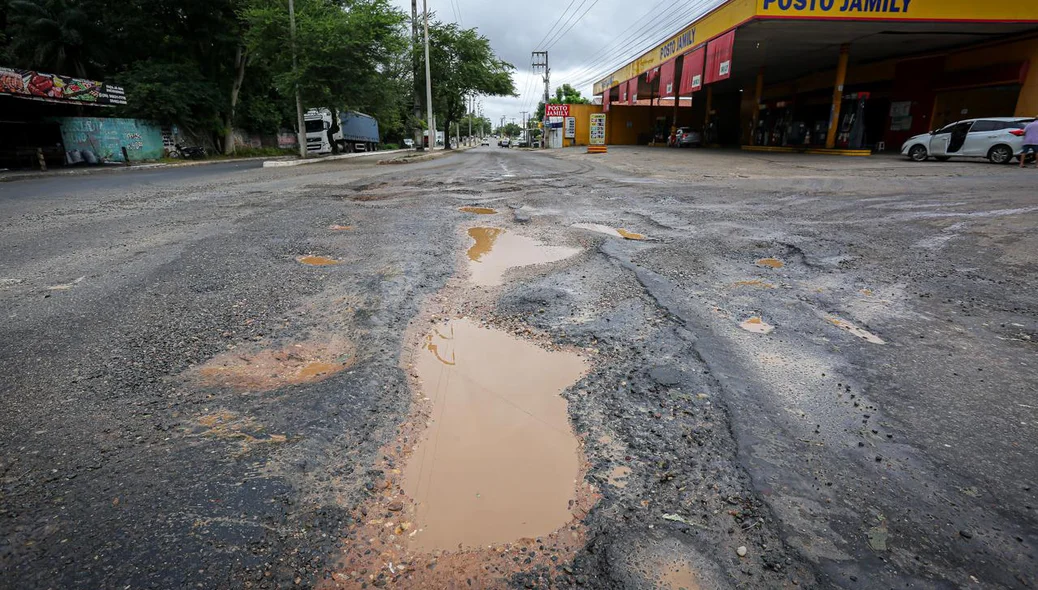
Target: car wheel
(917, 153)
(1000, 154)
(942, 158)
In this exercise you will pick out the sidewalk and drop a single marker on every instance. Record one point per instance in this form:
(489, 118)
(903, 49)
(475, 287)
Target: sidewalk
(9, 175)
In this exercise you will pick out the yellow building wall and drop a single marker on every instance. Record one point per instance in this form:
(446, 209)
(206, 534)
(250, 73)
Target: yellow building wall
(624, 123)
(582, 113)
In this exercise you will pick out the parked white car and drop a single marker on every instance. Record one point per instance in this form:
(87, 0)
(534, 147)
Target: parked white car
(998, 139)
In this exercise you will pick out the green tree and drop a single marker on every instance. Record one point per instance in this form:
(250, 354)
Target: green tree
(564, 94)
(344, 48)
(58, 36)
(463, 64)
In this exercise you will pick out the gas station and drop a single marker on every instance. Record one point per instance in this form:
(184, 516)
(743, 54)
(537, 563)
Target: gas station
(834, 76)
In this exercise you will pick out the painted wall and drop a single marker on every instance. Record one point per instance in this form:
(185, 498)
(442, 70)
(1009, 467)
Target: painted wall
(106, 137)
(582, 113)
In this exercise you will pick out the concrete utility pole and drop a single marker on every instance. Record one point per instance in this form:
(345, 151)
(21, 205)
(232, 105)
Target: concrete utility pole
(428, 81)
(471, 101)
(540, 61)
(300, 124)
(415, 40)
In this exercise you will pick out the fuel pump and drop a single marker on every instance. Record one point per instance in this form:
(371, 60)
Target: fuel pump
(851, 133)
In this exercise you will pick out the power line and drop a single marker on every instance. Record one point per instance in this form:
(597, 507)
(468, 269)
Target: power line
(563, 34)
(620, 39)
(647, 33)
(631, 54)
(557, 21)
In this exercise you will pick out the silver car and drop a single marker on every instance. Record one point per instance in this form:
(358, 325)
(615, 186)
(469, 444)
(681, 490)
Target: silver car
(998, 139)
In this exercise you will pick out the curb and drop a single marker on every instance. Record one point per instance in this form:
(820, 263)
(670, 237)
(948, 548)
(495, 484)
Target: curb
(308, 161)
(104, 168)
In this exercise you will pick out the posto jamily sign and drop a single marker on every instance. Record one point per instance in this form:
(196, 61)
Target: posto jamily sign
(852, 6)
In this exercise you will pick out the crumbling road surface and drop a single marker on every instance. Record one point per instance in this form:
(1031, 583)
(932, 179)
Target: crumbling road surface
(648, 369)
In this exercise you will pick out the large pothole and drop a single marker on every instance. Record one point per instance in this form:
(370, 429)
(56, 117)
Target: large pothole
(499, 459)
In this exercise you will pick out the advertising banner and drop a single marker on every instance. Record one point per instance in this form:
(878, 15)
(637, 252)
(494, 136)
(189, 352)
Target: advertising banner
(571, 128)
(605, 100)
(52, 87)
(667, 87)
(598, 129)
(632, 90)
(692, 72)
(719, 58)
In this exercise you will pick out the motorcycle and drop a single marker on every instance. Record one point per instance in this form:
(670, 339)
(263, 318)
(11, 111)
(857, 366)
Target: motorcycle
(188, 152)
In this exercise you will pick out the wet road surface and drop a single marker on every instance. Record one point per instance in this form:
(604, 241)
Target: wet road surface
(775, 372)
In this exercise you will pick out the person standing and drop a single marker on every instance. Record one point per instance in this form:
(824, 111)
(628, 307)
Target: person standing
(1030, 143)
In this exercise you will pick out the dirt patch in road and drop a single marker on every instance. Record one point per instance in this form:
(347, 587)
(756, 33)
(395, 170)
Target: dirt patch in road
(227, 425)
(266, 370)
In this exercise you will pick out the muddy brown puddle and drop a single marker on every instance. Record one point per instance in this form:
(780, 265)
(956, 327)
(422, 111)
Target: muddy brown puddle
(496, 250)
(499, 459)
(317, 261)
(478, 210)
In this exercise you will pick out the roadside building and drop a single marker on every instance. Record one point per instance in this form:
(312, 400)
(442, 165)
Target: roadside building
(828, 74)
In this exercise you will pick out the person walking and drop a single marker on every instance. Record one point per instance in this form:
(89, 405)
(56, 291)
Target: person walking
(1030, 143)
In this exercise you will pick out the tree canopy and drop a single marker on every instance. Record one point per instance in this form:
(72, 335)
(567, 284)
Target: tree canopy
(213, 65)
(463, 64)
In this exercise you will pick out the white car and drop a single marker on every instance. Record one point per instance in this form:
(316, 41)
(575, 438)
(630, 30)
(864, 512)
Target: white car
(409, 143)
(998, 139)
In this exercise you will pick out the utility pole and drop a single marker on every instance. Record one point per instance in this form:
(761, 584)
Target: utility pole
(540, 61)
(415, 40)
(526, 129)
(428, 81)
(472, 99)
(300, 125)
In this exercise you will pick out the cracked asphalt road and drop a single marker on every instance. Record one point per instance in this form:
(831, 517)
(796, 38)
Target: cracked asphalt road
(882, 436)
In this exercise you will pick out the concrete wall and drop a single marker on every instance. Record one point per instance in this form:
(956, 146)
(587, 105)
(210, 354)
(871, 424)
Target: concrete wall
(106, 137)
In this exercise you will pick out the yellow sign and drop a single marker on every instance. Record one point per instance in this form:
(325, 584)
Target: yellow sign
(720, 20)
(933, 10)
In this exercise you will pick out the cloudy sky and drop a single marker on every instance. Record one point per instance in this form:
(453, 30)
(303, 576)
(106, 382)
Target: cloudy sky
(592, 38)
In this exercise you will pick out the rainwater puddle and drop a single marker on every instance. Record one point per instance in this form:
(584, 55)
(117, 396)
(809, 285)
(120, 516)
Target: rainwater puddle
(678, 576)
(499, 460)
(618, 476)
(609, 231)
(771, 263)
(479, 210)
(859, 332)
(757, 326)
(317, 261)
(496, 250)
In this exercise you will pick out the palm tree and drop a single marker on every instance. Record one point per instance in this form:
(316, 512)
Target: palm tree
(53, 35)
